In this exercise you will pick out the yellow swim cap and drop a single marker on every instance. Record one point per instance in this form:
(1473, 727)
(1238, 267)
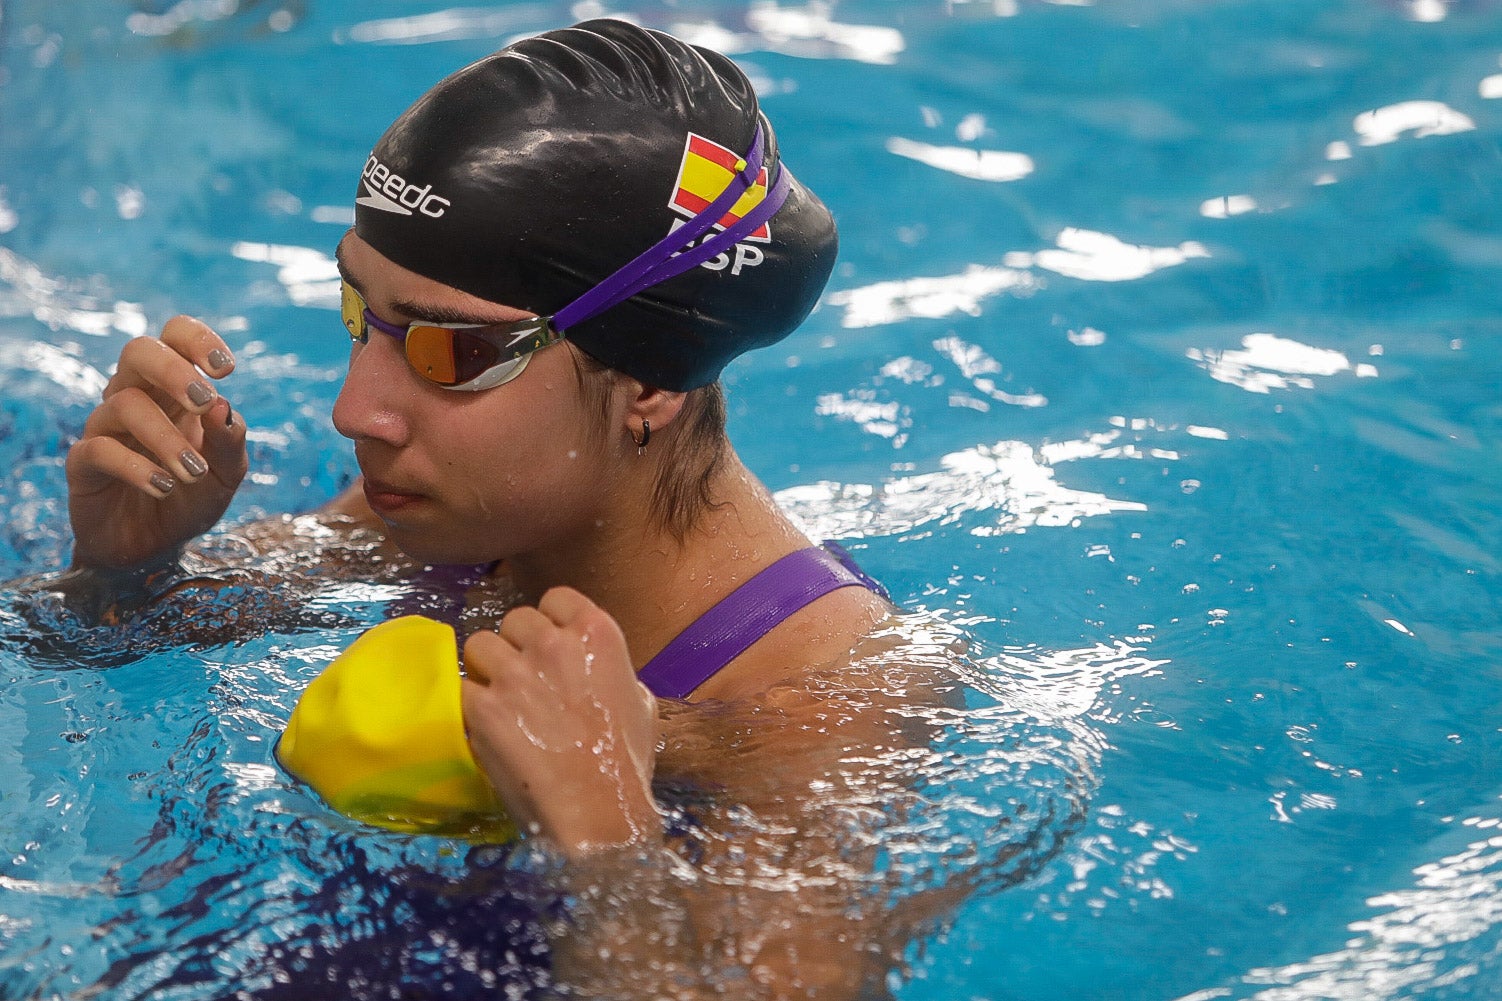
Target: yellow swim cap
(380, 736)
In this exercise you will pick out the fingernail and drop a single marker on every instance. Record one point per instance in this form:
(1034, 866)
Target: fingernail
(163, 482)
(192, 463)
(220, 360)
(200, 393)
(229, 416)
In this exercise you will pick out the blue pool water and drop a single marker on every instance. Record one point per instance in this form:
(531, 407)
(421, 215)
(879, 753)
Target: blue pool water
(1162, 360)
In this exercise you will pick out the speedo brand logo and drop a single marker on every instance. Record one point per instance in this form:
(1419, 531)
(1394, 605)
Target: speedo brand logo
(391, 192)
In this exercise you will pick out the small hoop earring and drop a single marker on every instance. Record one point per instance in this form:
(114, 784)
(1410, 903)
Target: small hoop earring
(642, 439)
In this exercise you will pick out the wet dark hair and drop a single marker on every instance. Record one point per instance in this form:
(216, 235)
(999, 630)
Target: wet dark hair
(695, 442)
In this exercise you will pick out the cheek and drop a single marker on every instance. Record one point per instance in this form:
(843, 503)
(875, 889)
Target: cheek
(522, 506)
(542, 467)
(531, 442)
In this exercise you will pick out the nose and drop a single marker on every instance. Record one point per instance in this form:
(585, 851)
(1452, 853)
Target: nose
(370, 405)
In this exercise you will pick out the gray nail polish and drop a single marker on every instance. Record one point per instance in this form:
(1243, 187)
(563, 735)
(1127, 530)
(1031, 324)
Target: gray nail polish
(192, 463)
(220, 360)
(200, 393)
(163, 482)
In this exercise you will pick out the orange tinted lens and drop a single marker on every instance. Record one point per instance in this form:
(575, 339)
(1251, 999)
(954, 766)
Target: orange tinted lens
(448, 357)
(352, 308)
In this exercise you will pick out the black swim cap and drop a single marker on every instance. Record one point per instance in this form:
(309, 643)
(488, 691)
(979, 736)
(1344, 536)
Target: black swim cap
(532, 175)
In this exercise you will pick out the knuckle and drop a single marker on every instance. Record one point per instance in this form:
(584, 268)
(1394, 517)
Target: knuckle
(524, 615)
(481, 645)
(596, 622)
(103, 418)
(190, 337)
(81, 452)
(138, 348)
(128, 396)
(553, 643)
(564, 603)
(124, 407)
(183, 325)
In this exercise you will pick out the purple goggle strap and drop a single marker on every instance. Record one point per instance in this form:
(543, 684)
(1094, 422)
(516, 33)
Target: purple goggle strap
(663, 259)
(746, 615)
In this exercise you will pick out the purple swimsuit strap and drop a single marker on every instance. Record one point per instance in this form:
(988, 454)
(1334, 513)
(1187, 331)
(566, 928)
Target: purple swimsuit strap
(746, 615)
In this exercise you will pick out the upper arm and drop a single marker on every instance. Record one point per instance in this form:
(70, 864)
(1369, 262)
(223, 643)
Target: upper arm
(799, 792)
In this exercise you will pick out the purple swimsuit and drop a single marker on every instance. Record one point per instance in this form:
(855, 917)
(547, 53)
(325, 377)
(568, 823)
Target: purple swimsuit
(747, 614)
(714, 639)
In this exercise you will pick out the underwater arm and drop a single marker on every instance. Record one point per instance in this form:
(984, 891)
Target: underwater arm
(771, 893)
(661, 934)
(780, 898)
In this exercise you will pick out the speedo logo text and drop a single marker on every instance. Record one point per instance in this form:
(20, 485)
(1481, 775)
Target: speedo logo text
(391, 192)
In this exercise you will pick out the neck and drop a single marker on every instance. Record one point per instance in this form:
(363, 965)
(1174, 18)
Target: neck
(655, 585)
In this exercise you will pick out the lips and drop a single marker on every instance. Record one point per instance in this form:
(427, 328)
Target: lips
(387, 498)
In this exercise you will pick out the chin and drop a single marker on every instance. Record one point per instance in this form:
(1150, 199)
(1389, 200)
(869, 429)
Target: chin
(426, 549)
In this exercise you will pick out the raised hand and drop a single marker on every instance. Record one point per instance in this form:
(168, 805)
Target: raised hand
(161, 456)
(561, 726)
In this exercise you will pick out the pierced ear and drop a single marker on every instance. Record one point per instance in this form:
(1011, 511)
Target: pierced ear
(656, 407)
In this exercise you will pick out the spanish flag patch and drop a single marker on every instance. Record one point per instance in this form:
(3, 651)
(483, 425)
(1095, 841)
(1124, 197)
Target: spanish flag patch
(706, 169)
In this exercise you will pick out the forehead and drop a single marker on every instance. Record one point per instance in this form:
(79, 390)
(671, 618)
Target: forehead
(384, 284)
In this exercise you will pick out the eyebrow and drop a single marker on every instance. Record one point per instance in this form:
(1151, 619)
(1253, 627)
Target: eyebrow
(428, 312)
(344, 274)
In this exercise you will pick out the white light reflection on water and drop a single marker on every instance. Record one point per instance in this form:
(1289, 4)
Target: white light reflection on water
(454, 24)
(1053, 684)
(979, 367)
(1227, 206)
(810, 31)
(1490, 87)
(310, 277)
(25, 290)
(1403, 120)
(889, 419)
(1078, 253)
(1101, 257)
(1427, 935)
(1118, 857)
(1009, 485)
(1267, 362)
(1427, 11)
(978, 164)
(927, 298)
(1421, 118)
(8, 218)
(179, 16)
(883, 418)
(807, 32)
(80, 379)
(1377, 127)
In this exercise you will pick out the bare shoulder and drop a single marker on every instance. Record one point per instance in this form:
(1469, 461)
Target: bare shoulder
(825, 637)
(854, 677)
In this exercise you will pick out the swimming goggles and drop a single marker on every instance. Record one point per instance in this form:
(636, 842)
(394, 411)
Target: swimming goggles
(454, 356)
(475, 357)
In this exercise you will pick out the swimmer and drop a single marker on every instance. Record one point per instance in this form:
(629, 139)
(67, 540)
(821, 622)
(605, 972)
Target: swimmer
(555, 253)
